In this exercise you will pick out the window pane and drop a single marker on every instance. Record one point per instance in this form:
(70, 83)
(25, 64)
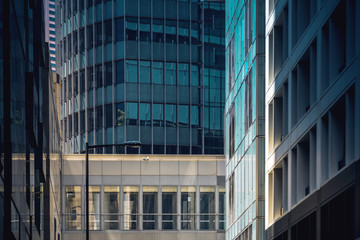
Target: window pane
(158, 114)
(119, 26)
(183, 74)
(108, 74)
(171, 73)
(169, 207)
(183, 116)
(131, 28)
(94, 207)
(207, 207)
(145, 114)
(98, 75)
(119, 72)
(158, 30)
(170, 115)
(98, 34)
(111, 207)
(120, 114)
(130, 207)
(188, 207)
(131, 113)
(108, 31)
(145, 71)
(131, 71)
(73, 208)
(108, 116)
(145, 29)
(222, 208)
(158, 72)
(150, 201)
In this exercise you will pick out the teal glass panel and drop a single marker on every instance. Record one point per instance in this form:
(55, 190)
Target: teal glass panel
(170, 115)
(158, 114)
(131, 113)
(145, 71)
(183, 74)
(184, 116)
(145, 114)
(158, 72)
(119, 8)
(108, 9)
(171, 73)
(131, 71)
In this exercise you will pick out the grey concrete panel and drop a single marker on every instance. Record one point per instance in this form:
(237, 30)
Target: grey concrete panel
(73, 180)
(130, 180)
(150, 180)
(112, 180)
(207, 180)
(168, 180)
(188, 180)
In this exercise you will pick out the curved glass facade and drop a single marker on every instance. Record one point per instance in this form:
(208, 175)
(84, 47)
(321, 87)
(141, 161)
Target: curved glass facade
(148, 70)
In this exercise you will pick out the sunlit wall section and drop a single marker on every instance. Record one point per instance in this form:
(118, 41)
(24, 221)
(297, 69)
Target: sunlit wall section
(244, 119)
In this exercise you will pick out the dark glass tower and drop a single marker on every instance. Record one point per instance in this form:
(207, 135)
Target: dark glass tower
(148, 70)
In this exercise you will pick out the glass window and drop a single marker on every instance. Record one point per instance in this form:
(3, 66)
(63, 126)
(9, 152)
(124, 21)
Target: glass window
(75, 42)
(131, 113)
(108, 116)
(98, 75)
(90, 77)
(98, 31)
(82, 81)
(183, 116)
(119, 71)
(169, 206)
(73, 208)
(184, 32)
(195, 116)
(130, 207)
(108, 74)
(111, 207)
(90, 119)
(158, 72)
(108, 31)
(222, 208)
(171, 73)
(89, 30)
(131, 71)
(183, 74)
(195, 75)
(82, 39)
(188, 207)
(170, 30)
(158, 114)
(145, 29)
(94, 207)
(131, 28)
(145, 114)
(207, 208)
(120, 114)
(170, 115)
(99, 117)
(158, 30)
(119, 26)
(82, 121)
(150, 210)
(145, 71)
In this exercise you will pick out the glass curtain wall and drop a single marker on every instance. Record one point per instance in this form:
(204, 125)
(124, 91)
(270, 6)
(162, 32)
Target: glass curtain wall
(94, 207)
(73, 208)
(207, 208)
(150, 209)
(188, 208)
(111, 207)
(131, 208)
(169, 203)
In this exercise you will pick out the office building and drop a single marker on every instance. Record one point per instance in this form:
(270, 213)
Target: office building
(245, 119)
(312, 119)
(147, 70)
(170, 197)
(29, 132)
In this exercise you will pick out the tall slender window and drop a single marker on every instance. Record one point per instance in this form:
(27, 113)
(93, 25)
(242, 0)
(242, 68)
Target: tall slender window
(158, 115)
(130, 207)
(150, 201)
(145, 114)
(73, 208)
(158, 72)
(170, 115)
(188, 207)
(111, 207)
(207, 208)
(94, 207)
(169, 206)
(222, 208)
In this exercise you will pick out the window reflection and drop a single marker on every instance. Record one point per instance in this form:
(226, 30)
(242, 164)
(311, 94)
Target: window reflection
(188, 207)
(171, 73)
(158, 30)
(157, 74)
(111, 207)
(169, 207)
(73, 208)
(183, 116)
(158, 114)
(145, 29)
(131, 28)
(131, 71)
(130, 207)
(120, 114)
(183, 74)
(145, 114)
(131, 113)
(170, 115)
(150, 197)
(207, 208)
(94, 207)
(145, 71)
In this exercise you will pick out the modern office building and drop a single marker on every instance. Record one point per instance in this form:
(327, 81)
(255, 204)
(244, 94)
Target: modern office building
(148, 70)
(312, 119)
(245, 119)
(160, 197)
(29, 131)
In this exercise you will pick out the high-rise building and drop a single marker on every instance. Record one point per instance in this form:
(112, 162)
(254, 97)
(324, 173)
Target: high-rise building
(148, 70)
(245, 119)
(312, 119)
(30, 158)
